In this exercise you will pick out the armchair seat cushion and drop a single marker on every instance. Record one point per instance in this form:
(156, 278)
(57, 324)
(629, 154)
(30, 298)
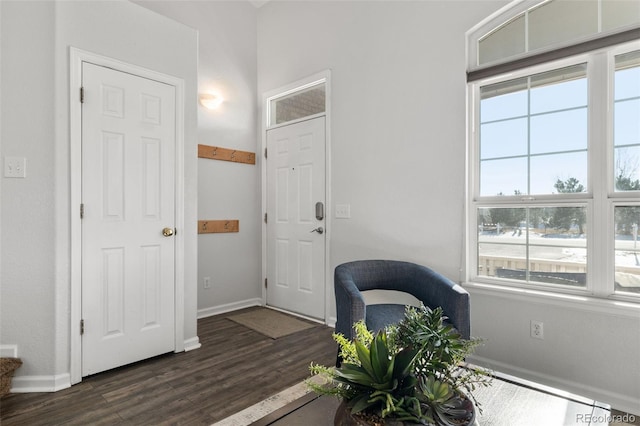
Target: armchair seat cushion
(380, 316)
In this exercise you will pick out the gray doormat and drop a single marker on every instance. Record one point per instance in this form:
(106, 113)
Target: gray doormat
(271, 323)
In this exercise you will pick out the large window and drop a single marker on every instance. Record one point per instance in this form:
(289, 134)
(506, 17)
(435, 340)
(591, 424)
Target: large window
(555, 175)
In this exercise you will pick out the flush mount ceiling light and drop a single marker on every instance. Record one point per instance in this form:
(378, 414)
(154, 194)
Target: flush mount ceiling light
(210, 101)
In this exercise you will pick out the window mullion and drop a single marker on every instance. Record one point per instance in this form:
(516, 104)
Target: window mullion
(473, 179)
(600, 243)
(527, 248)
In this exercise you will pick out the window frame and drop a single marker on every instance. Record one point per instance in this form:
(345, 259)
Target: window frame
(521, 9)
(600, 197)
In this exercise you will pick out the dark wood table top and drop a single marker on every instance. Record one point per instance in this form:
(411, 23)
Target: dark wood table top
(505, 403)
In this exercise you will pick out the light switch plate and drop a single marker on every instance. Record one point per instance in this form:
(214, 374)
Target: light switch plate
(15, 167)
(343, 211)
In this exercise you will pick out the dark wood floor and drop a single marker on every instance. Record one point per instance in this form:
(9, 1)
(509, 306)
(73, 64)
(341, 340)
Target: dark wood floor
(235, 368)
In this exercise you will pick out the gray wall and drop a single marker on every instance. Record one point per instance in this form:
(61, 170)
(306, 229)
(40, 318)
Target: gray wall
(398, 157)
(227, 62)
(35, 227)
(28, 264)
(398, 111)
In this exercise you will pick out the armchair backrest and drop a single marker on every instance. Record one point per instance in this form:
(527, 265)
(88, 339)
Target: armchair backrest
(428, 286)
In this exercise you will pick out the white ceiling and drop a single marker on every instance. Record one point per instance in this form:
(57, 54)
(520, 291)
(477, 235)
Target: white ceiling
(258, 3)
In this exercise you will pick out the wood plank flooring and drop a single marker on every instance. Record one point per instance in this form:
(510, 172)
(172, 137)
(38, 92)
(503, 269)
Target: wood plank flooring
(236, 367)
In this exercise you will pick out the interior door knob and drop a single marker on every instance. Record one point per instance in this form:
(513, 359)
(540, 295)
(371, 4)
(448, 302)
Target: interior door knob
(167, 232)
(319, 230)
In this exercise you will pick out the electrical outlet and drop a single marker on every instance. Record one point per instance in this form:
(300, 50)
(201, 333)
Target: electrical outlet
(207, 282)
(537, 329)
(15, 167)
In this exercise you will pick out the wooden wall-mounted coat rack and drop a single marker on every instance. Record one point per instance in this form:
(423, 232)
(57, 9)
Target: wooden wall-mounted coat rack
(218, 226)
(226, 154)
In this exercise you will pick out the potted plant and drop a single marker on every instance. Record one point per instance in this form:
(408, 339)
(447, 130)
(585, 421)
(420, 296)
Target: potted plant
(411, 372)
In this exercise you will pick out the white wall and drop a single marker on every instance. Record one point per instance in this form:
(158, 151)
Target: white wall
(398, 158)
(398, 111)
(35, 226)
(589, 348)
(227, 64)
(28, 286)
(398, 86)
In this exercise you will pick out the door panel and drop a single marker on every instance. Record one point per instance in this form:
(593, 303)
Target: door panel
(128, 286)
(296, 182)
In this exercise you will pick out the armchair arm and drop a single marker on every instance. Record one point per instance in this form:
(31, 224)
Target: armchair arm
(350, 306)
(435, 290)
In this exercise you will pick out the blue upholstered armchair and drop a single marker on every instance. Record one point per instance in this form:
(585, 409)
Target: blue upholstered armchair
(428, 286)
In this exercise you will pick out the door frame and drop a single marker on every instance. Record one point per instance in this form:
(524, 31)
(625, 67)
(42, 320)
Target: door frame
(77, 57)
(267, 97)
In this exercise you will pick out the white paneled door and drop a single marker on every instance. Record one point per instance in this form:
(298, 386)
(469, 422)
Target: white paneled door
(295, 227)
(128, 166)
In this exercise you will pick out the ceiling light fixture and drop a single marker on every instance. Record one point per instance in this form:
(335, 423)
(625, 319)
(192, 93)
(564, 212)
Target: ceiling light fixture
(210, 101)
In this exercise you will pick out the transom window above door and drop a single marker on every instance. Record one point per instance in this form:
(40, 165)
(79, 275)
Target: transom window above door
(302, 102)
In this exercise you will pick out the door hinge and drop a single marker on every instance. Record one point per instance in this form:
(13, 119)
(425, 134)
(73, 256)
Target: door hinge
(266, 284)
(265, 218)
(82, 95)
(81, 327)
(265, 153)
(82, 211)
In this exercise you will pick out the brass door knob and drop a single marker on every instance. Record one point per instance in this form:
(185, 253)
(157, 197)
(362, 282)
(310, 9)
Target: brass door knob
(167, 232)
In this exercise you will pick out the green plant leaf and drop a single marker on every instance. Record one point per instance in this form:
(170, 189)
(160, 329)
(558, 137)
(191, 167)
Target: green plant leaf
(404, 362)
(354, 373)
(360, 402)
(379, 355)
(364, 355)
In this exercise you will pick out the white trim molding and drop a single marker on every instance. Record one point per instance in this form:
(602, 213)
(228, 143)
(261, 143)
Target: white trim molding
(191, 344)
(616, 308)
(27, 384)
(229, 307)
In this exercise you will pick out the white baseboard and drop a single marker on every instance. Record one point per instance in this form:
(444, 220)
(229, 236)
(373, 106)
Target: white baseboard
(25, 384)
(191, 344)
(616, 400)
(229, 307)
(331, 322)
(8, 351)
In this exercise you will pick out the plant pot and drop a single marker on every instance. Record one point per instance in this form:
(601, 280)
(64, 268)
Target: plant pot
(344, 417)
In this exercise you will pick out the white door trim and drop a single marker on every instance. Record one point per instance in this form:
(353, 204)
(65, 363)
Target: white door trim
(77, 57)
(321, 77)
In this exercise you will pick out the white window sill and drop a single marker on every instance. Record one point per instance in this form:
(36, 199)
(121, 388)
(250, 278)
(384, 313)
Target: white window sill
(581, 302)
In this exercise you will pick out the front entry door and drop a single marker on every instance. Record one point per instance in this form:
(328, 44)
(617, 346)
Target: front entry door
(128, 253)
(295, 228)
